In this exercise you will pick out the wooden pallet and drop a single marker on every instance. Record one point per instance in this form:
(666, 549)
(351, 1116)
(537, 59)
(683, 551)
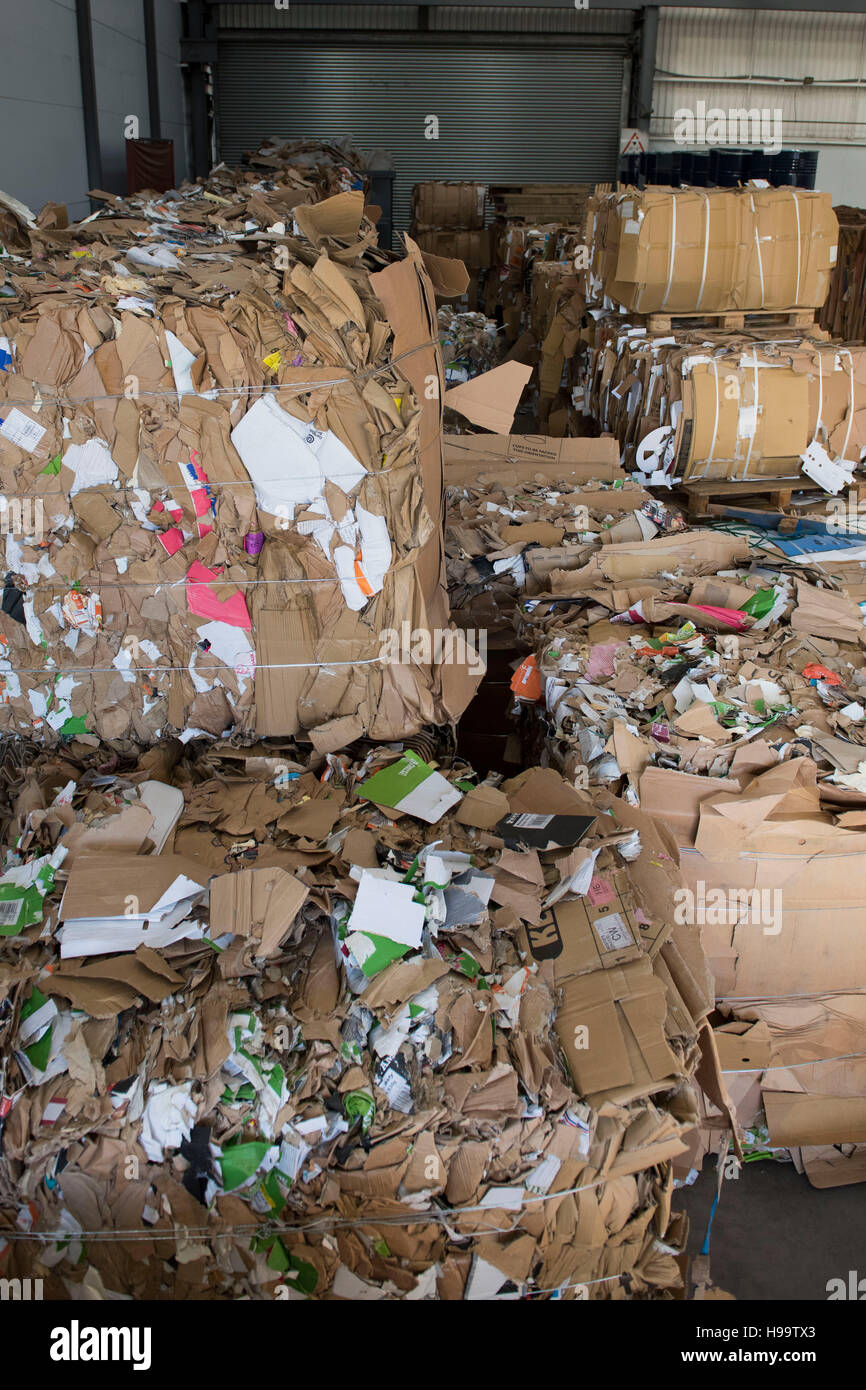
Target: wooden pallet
(708, 496)
(731, 321)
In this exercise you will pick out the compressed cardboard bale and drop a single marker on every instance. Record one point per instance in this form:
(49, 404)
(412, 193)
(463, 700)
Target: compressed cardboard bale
(235, 454)
(470, 247)
(702, 405)
(321, 1061)
(710, 250)
(448, 204)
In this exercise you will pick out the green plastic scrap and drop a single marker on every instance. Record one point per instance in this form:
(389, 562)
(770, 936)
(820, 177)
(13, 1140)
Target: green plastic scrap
(384, 952)
(360, 1105)
(38, 1052)
(759, 605)
(300, 1274)
(238, 1162)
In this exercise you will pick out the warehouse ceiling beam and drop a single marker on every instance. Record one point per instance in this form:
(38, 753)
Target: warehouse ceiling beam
(644, 68)
(152, 61)
(87, 70)
(198, 49)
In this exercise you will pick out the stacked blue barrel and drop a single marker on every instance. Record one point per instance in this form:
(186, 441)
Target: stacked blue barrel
(720, 167)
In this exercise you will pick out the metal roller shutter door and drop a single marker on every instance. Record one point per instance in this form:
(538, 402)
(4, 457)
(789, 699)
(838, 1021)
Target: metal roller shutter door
(541, 113)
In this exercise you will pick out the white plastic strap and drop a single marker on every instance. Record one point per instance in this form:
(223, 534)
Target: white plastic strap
(850, 399)
(755, 430)
(799, 246)
(709, 457)
(706, 249)
(673, 247)
(758, 250)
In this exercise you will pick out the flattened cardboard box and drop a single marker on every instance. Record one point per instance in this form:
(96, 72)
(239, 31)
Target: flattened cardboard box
(512, 458)
(591, 933)
(611, 1024)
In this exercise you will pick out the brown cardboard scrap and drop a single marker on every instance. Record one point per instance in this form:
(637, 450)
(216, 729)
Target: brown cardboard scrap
(258, 903)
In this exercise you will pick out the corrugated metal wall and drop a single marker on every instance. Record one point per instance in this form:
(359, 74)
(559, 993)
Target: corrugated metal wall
(811, 66)
(506, 114)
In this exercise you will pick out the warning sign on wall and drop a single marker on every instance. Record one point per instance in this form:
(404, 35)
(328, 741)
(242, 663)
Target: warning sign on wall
(633, 141)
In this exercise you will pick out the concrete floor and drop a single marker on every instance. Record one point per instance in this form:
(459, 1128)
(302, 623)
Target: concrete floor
(774, 1236)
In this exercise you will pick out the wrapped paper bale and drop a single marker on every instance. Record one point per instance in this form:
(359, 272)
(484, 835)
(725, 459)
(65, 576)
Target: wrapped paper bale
(220, 449)
(706, 405)
(694, 250)
(446, 203)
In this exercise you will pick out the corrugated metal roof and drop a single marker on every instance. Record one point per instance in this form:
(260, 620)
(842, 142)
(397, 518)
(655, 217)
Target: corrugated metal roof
(264, 16)
(811, 67)
(526, 20)
(481, 19)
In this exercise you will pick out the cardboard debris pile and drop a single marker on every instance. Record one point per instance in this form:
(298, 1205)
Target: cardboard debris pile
(844, 311)
(448, 220)
(697, 404)
(709, 250)
(273, 1022)
(470, 344)
(717, 681)
(519, 249)
(222, 462)
(334, 167)
(521, 507)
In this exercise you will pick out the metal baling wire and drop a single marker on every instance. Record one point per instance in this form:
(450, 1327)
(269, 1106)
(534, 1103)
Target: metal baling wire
(298, 387)
(276, 1228)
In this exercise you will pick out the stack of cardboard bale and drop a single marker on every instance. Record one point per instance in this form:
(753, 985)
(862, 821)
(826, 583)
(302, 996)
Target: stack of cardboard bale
(221, 458)
(448, 220)
(520, 251)
(717, 397)
(844, 312)
(282, 1017)
(715, 677)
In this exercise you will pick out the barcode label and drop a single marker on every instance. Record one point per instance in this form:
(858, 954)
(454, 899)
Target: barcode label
(528, 822)
(10, 911)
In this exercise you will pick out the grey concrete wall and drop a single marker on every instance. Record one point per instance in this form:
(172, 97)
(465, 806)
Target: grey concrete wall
(42, 153)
